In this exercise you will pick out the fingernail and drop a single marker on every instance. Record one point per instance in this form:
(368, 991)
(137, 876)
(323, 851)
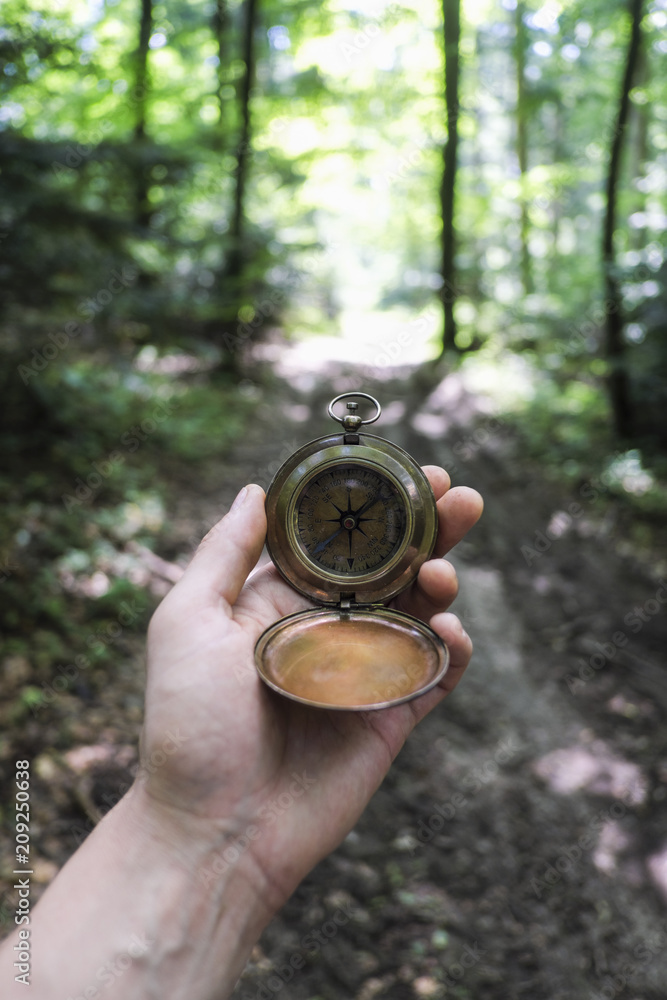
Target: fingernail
(239, 499)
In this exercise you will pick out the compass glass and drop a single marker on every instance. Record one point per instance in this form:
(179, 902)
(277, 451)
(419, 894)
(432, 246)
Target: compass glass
(350, 519)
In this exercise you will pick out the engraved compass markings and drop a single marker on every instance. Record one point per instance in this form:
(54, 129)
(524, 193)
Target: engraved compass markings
(342, 496)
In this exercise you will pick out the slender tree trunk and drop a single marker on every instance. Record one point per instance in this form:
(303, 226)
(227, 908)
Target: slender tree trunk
(237, 228)
(452, 34)
(142, 84)
(640, 148)
(559, 156)
(221, 23)
(619, 388)
(522, 143)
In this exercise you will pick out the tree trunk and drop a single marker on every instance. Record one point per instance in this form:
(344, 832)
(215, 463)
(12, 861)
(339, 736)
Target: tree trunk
(452, 34)
(639, 145)
(237, 228)
(221, 23)
(141, 86)
(619, 388)
(522, 143)
(559, 155)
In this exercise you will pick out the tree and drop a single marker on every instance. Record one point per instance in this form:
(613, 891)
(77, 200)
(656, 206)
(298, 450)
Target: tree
(141, 85)
(452, 35)
(522, 142)
(221, 24)
(237, 228)
(618, 382)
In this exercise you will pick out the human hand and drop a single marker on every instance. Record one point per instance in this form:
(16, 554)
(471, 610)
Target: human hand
(250, 761)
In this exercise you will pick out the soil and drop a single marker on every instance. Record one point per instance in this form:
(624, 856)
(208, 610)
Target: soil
(518, 846)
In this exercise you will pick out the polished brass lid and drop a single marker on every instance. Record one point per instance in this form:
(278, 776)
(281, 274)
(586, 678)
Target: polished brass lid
(362, 659)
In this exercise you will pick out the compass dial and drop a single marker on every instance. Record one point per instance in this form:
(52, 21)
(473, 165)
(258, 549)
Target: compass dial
(350, 519)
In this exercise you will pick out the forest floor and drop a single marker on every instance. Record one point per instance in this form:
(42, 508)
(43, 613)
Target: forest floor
(518, 846)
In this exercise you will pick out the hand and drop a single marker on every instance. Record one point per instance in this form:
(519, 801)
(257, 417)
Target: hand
(270, 784)
(241, 791)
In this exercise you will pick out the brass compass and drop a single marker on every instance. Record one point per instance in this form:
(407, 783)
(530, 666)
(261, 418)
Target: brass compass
(351, 519)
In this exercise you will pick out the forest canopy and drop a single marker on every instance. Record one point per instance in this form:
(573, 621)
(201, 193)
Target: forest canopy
(220, 150)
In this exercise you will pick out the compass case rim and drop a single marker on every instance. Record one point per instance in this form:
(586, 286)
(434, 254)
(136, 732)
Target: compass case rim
(292, 630)
(375, 586)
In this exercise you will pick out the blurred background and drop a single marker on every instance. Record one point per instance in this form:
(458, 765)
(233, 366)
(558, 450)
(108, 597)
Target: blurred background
(214, 217)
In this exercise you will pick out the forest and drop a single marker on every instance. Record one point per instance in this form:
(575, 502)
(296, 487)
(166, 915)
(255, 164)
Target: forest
(217, 215)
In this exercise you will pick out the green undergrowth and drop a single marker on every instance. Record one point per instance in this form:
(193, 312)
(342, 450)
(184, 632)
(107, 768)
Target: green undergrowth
(96, 450)
(565, 431)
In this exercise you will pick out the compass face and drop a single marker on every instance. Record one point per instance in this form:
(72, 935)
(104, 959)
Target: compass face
(350, 519)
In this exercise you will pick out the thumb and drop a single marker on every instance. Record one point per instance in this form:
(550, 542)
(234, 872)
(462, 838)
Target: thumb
(230, 550)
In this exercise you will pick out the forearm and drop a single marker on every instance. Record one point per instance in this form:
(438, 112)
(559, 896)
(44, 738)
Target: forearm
(130, 917)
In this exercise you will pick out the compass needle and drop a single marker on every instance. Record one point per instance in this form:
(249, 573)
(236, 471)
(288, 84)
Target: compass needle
(322, 545)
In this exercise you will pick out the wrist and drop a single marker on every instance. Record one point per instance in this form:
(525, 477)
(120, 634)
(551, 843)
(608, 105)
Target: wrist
(215, 902)
(146, 924)
(210, 851)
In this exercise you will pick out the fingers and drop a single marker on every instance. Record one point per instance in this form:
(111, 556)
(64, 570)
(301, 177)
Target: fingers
(232, 547)
(459, 644)
(436, 586)
(458, 510)
(434, 590)
(438, 478)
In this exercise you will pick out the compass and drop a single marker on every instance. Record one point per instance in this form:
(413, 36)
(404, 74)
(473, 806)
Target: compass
(365, 523)
(351, 518)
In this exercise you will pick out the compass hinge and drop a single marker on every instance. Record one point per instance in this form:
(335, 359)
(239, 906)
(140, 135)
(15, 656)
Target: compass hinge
(350, 439)
(348, 603)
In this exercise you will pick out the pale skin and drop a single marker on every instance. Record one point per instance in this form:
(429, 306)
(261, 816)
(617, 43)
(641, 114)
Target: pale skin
(242, 791)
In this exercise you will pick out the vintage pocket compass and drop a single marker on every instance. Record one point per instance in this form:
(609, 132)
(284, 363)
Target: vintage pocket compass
(351, 519)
